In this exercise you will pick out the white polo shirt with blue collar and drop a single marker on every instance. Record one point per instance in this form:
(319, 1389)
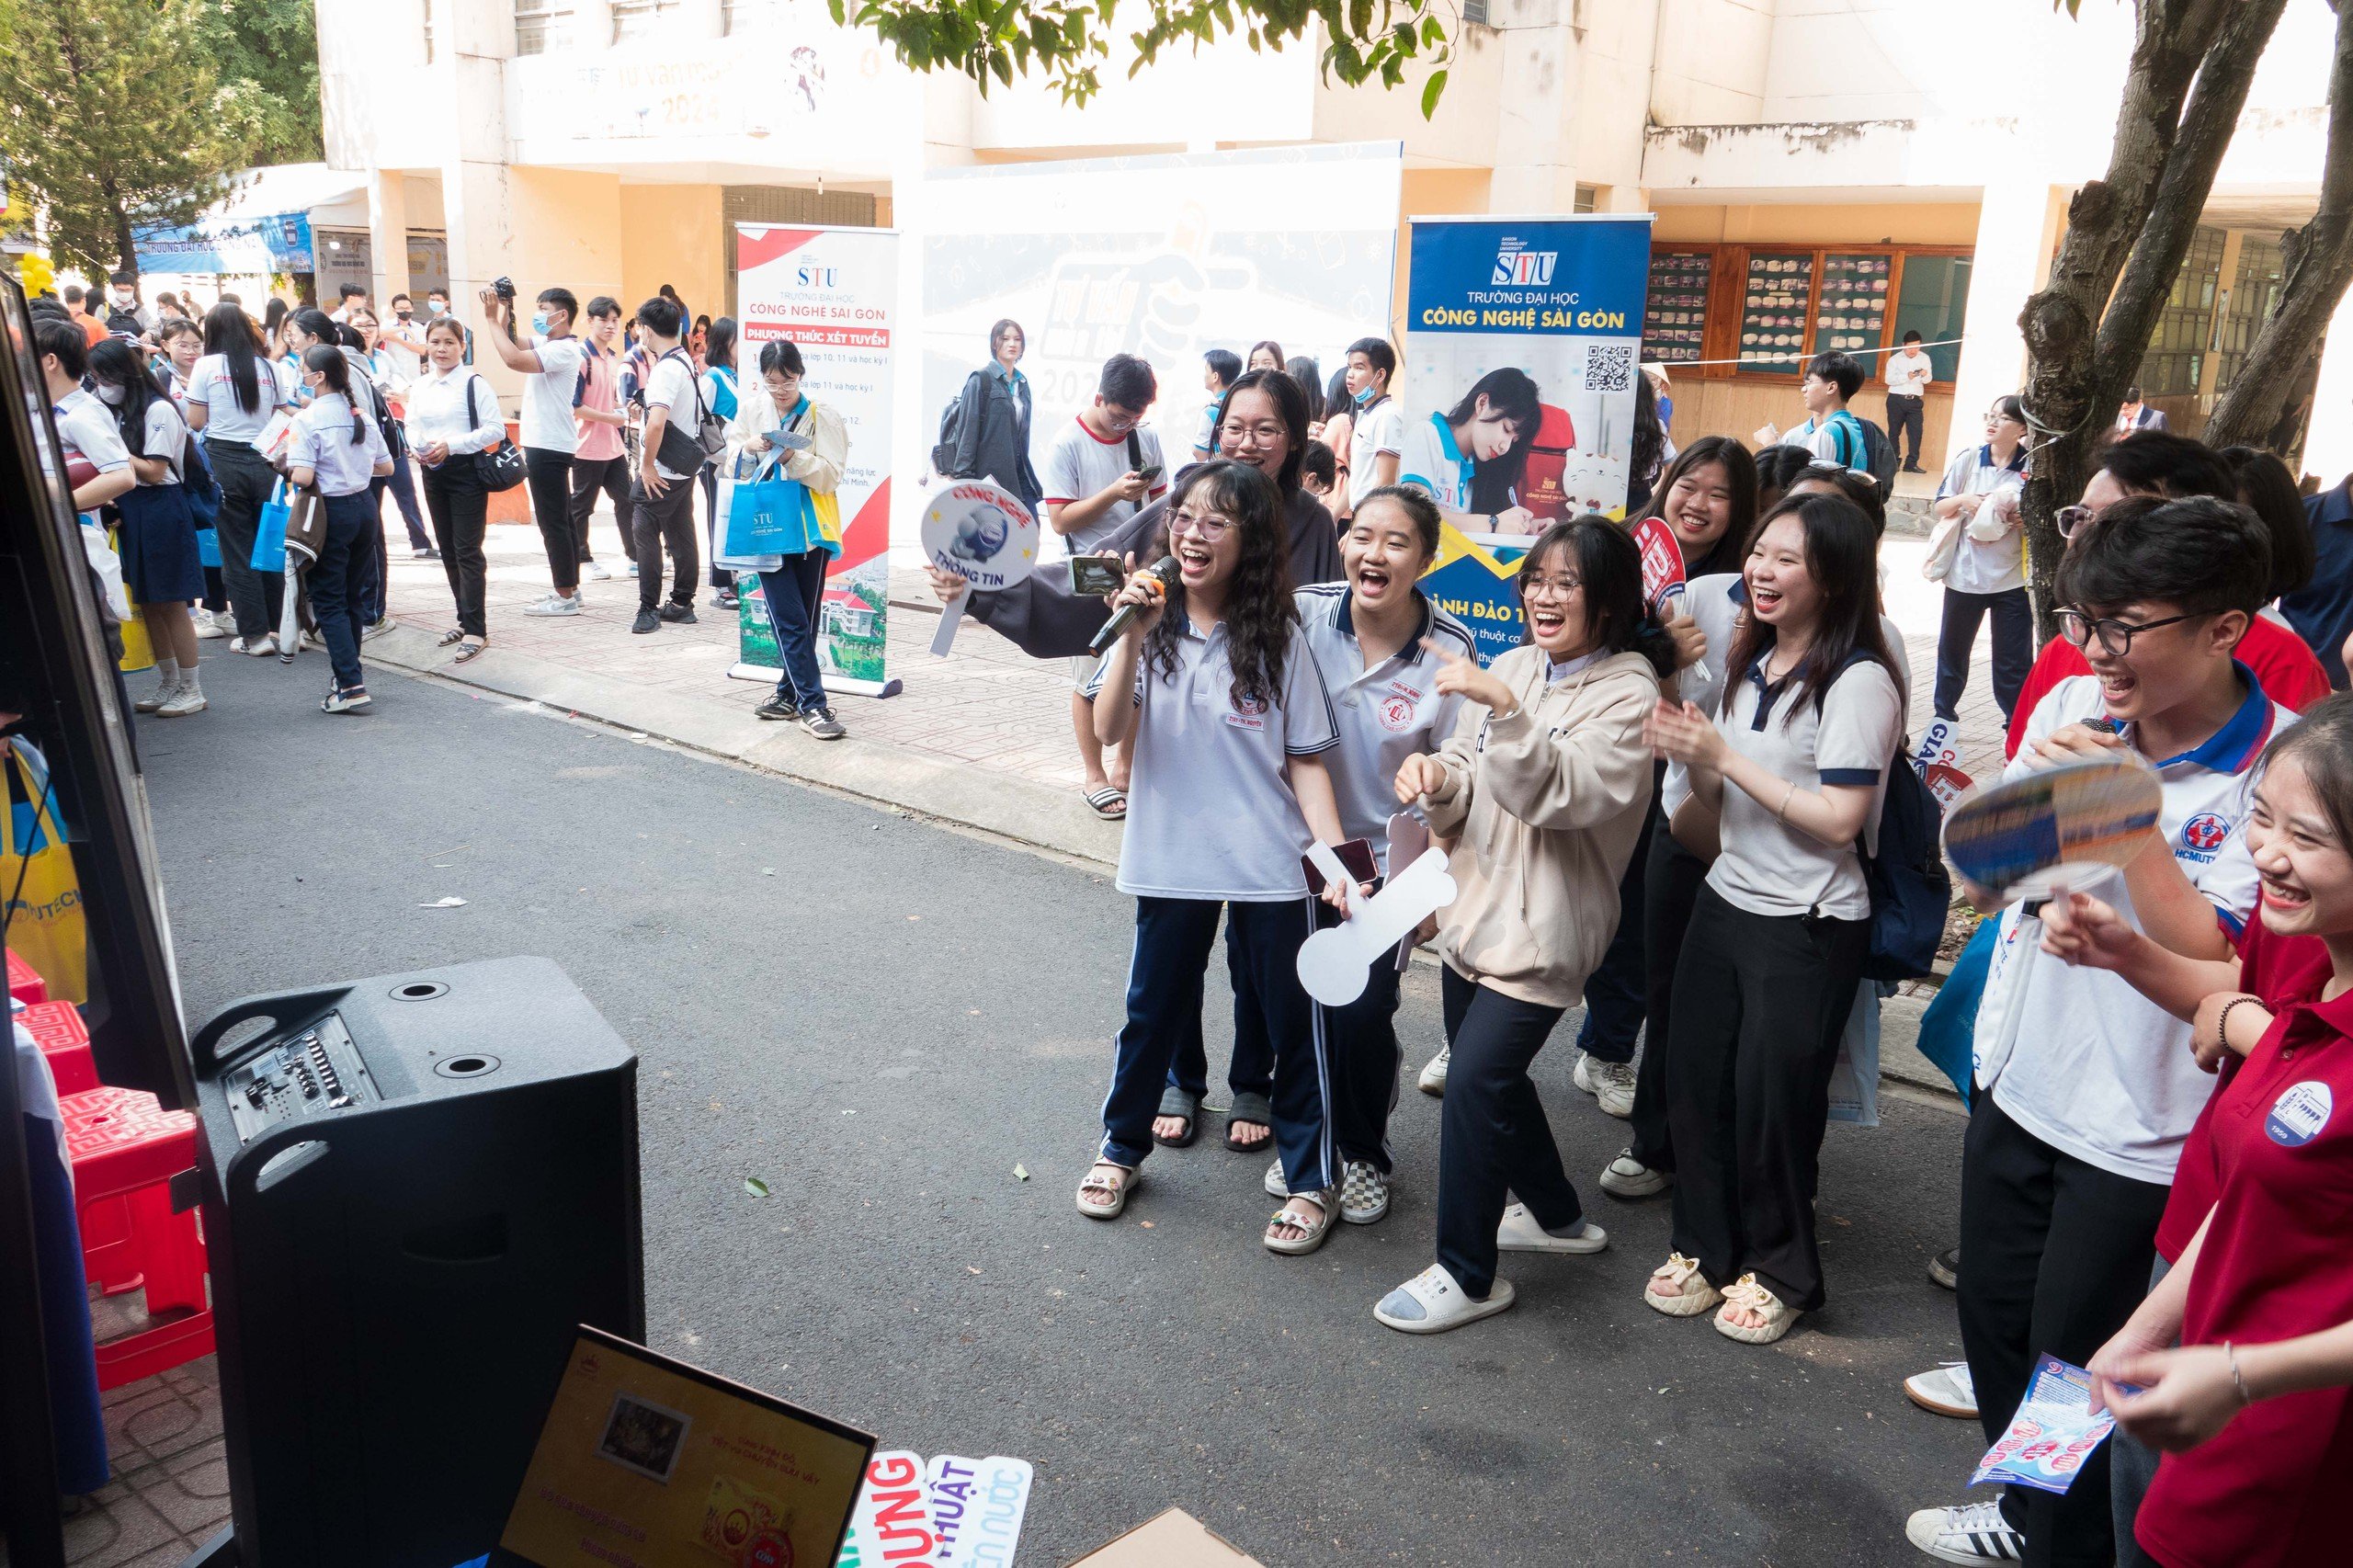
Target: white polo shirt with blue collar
(2076, 1056)
(1210, 813)
(1427, 459)
(1386, 713)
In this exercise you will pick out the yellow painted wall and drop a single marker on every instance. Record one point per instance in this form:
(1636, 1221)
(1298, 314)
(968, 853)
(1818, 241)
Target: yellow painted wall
(670, 233)
(1856, 223)
(1430, 193)
(566, 228)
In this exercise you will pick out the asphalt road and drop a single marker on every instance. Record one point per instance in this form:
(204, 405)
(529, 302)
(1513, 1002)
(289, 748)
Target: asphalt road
(900, 1015)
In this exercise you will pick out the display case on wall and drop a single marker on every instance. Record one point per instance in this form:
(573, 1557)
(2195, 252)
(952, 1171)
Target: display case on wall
(1776, 296)
(1763, 310)
(1674, 317)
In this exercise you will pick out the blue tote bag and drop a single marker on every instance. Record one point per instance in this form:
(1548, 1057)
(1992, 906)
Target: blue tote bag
(763, 518)
(269, 539)
(1949, 1028)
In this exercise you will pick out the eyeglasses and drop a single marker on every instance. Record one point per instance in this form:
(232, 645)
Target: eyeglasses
(1232, 432)
(1209, 526)
(2070, 519)
(1550, 587)
(2115, 636)
(1120, 420)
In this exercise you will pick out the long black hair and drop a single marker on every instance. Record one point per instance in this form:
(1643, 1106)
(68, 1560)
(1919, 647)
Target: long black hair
(1310, 377)
(718, 344)
(117, 364)
(1259, 614)
(1495, 483)
(229, 333)
(1291, 407)
(1649, 440)
(1609, 566)
(316, 322)
(1730, 547)
(328, 361)
(2269, 490)
(1842, 557)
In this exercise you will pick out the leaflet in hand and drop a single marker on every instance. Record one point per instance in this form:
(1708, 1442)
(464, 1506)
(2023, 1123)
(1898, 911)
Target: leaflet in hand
(2052, 1433)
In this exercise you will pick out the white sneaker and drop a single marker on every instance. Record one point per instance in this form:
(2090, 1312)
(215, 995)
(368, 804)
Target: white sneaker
(1520, 1233)
(596, 572)
(188, 699)
(1433, 1078)
(632, 569)
(165, 690)
(554, 604)
(259, 647)
(1627, 1176)
(209, 627)
(1972, 1532)
(375, 628)
(1611, 1084)
(1946, 1390)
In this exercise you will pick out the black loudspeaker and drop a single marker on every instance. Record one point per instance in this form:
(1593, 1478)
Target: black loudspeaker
(413, 1187)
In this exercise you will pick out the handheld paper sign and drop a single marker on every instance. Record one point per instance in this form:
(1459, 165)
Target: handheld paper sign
(1334, 965)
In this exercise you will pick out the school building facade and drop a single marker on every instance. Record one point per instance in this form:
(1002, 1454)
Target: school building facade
(1824, 173)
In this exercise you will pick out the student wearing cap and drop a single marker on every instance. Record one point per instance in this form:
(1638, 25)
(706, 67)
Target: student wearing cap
(2087, 1089)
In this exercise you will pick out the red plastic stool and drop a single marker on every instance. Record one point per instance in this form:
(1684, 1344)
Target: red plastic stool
(123, 1144)
(25, 983)
(57, 1029)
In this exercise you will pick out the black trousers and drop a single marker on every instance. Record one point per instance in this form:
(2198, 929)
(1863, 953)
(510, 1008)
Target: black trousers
(1760, 1001)
(1614, 993)
(667, 518)
(247, 481)
(610, 478)
(1671, 879)
(2059, 1256)
(1957, 640)
(1906, 414)
(1494, 1141)
(1362, 1039)
(549, 474)
(459, 507)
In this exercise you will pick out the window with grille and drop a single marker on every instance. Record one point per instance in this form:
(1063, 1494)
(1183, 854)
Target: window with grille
(1476, 11)
(1588, 197)
(739, 18)
(638, 19)
(541, 26)
(2177, 343)
(2254, 288)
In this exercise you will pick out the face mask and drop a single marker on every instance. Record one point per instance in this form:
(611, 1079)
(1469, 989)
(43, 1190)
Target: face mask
(113, 395)
(1365, 396)
(122, 297)
(401, 314)
(539, 322)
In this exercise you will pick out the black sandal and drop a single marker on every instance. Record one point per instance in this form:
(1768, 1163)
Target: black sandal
(467, 650)
(1256, 1109)
(1175, 1101)
(455, 635)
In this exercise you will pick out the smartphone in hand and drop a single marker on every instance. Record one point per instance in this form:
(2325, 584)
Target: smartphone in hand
(1097, 576)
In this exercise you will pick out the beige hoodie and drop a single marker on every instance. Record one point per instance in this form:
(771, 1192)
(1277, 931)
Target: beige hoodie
(1548, 804)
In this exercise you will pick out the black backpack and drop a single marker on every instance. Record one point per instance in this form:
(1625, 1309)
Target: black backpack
(1878, 456)
(951, 429)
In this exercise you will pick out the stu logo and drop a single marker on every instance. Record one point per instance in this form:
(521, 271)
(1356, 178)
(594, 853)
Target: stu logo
(1518, 268)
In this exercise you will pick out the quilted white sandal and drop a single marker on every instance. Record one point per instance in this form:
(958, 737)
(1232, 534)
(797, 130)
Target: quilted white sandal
(1746, 1292)
(1431, 1303)
(1686, 1294)
(1103, 1196)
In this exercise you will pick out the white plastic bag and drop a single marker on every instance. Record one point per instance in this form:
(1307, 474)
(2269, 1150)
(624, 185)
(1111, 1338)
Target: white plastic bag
(107, 566)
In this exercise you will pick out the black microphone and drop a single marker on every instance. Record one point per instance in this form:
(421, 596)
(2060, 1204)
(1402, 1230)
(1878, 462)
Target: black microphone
(1121, 619)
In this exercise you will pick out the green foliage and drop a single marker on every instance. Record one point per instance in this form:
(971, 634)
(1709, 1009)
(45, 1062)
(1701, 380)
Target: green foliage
(1066, 41)
(268, 98)
(106, 120)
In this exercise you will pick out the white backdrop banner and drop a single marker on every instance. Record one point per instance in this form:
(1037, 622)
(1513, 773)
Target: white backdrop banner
(1164, 256)
(833, 292)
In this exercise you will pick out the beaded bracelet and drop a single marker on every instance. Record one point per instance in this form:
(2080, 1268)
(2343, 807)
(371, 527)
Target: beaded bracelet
(2222, 1020)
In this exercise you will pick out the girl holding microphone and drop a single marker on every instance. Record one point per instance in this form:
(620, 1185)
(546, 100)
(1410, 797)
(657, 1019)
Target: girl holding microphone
(1546, 781)
(1230, 718)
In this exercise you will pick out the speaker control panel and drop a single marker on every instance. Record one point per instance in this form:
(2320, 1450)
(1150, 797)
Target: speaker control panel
(317, 1072)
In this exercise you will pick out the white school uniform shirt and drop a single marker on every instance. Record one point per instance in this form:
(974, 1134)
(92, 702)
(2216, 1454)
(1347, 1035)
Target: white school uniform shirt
(321, 441)
(1428, 460)
(87, 427)
(1081, 463)
(1909, 373)
(672, 386)
(546, 419)
(165, 436)
(437, 412)
(225, 419)
(1768, 866)
(1376, 428)
(2076, 1056)
(1715, 601)
(1211, 814)
(1985, 566)
(1384, 714)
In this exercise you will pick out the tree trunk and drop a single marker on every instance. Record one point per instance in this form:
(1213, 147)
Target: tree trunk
(2318, 264)
(2127, 235)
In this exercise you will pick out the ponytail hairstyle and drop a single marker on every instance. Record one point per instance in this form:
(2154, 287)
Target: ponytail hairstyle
(1411, 500)
(115, 363)
(1605, 560)
(229, 333)
(1259, 614)
(1842, 557)
(328, 361)
(316, 324)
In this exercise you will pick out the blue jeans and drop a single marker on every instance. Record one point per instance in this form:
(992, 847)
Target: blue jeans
(1172, 948)
(342, 580)
(793, 594)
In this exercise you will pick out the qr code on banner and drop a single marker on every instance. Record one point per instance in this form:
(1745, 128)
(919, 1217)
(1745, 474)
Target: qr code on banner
(1608, 366)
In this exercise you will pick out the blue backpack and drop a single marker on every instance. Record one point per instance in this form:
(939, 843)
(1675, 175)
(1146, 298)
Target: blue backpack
(722, 402)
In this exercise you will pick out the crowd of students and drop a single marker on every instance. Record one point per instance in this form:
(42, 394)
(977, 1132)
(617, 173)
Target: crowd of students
(1666, 811)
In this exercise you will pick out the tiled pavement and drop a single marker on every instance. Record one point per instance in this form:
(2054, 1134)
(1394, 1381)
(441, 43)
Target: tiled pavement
(169, 1489)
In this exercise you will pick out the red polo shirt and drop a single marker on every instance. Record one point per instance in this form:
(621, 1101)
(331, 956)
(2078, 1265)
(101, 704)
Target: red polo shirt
(2285, 668)
(2269, 1489)
(2279, 969)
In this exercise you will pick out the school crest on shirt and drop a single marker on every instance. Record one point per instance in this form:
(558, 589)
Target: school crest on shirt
(1249, 712)
(2299, 1114)
(2202, 837)
(1399, 707)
